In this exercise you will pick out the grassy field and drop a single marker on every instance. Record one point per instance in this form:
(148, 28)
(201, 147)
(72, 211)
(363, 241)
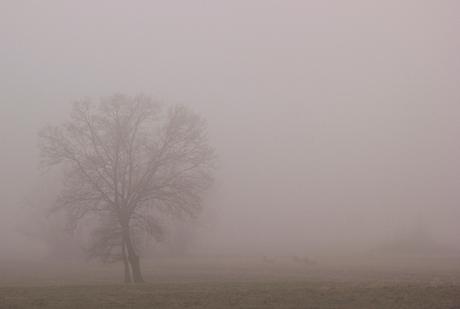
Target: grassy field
(233, 283)
(232, 295)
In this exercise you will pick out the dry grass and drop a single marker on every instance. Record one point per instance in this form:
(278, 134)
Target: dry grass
(230, 283)
(232, 295)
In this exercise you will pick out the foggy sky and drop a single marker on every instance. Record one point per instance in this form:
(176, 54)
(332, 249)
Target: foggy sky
(336, 122)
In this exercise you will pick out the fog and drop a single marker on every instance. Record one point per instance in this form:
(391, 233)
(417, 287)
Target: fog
(336, 123)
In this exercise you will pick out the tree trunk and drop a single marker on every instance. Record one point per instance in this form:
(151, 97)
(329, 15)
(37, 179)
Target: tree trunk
(136, 267)
(133, 258)
(126, 264)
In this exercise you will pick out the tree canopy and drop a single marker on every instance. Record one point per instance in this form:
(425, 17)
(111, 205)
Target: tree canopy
(125, 159)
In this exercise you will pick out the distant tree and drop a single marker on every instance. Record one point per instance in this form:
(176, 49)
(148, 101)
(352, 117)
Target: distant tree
(126, 160)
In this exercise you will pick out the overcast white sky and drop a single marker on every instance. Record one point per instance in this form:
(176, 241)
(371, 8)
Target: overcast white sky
(337, 119)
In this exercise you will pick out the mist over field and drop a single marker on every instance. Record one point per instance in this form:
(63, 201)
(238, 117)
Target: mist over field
(335, 123)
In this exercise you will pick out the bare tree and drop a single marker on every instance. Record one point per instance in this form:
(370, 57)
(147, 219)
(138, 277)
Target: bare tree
(127, 159)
